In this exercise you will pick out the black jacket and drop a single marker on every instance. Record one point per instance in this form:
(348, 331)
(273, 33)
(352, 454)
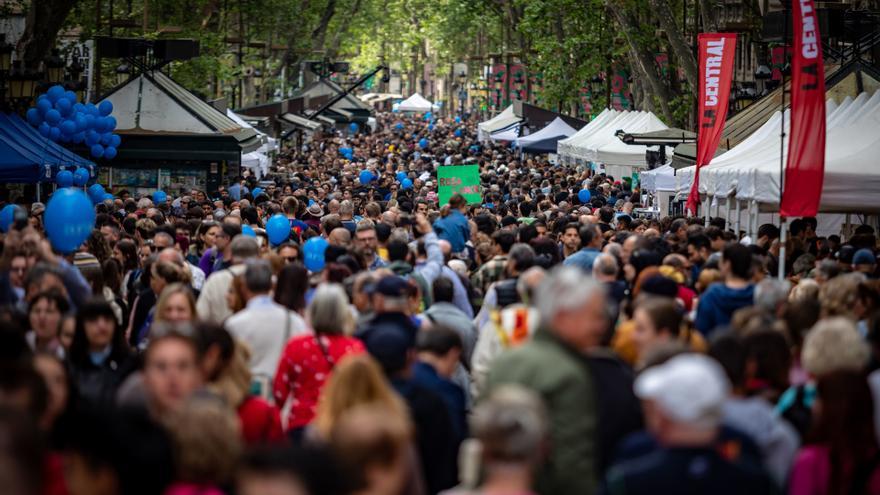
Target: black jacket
(97, 384)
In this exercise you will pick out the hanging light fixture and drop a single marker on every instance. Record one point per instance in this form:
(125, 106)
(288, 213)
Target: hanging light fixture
(123, 72)
(5, 53)
(54, 67)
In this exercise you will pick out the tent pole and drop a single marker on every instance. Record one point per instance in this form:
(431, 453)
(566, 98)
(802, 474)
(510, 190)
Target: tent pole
(782, 239)
(736, 222)
(38, 191)
(708, 209)
(729, 198)
(752, 218)
(846, 226)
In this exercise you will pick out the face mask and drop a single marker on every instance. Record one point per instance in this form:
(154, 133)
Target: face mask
(545, 190)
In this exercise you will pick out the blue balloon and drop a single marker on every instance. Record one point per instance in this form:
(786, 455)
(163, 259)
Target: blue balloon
(92, 137)
(70, 95)
(428, 116)
(313, 253)
(423, 143)
(81, 177)
(64, 106)
(584, 196)
(256, 192)
(7, 217)
(353, 127)
(69, 219)
(97, 151)
(64, 178)
(96, 192)
(108, 196)
(101, 125)
(105, 108)
(78, 107)
(115, 140)
(430, 127)
(44, 129)
(55, 93)
(248, 231)
(68, 127)
(78, 137)
(400, 176)
(110, 152)
(111, 123)
(81, 122)
(278, 229)
(457, 133)
(366, 177)
(44, 106)
(54, 134)
(406, 183)
(90, 121)
(91, 109)
(33, 117)
(457, 119)
(159, 197)
(53, 116)
(399, 126)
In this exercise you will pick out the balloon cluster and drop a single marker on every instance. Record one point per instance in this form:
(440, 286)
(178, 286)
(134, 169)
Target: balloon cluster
(60, 117)
(66, 178)
(347, 152)
(97, 193)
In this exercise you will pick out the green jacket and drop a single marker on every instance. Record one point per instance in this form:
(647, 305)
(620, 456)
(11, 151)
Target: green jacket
(560, 375)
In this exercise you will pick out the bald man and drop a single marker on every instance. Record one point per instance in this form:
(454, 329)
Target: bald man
(339, 236)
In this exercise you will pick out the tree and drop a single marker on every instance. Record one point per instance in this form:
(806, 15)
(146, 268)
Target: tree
(44, 20)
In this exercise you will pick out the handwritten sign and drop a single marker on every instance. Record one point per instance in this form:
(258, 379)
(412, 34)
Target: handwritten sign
(461, 179)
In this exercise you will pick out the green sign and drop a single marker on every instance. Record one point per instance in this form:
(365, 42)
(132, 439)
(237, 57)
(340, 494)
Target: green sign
(462, 179)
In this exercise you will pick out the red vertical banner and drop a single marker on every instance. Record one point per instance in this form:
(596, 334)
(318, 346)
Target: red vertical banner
(805, 167)
(716, 51)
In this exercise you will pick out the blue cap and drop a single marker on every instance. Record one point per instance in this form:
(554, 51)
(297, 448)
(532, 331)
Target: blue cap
(864, 257)
(390, 286)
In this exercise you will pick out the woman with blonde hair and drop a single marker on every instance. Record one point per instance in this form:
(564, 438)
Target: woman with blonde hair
(176, 305)
(357, 381)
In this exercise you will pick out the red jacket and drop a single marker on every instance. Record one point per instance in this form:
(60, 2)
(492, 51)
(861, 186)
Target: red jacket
(304, 368)
(260, 422)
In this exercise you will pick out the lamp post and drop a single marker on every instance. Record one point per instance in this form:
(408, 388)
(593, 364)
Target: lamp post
(54, 67)
(462, 92)
(123, 71)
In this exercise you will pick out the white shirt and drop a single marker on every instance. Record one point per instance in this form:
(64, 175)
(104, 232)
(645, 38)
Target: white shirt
(212, 305)
(265, 326)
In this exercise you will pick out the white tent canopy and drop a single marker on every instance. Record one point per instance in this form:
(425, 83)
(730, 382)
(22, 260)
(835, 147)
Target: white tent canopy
(595, 124)
(554, 129)
(415, 103)
(661, 179)
(258, 160)
(509, 134)
(750, 171)
(503, 120)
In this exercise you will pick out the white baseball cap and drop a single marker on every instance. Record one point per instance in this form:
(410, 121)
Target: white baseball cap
(690, 388)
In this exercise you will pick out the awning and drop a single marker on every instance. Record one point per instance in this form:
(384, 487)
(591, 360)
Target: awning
(300, 122)
(33, 158)
(663, 137)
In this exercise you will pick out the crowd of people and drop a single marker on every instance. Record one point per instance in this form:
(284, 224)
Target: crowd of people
(529, 343)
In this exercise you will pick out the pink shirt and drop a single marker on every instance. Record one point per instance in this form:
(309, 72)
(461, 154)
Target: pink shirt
(812, 471)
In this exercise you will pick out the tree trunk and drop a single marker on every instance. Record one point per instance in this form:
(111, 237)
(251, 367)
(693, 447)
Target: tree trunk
(44, 19)
(320, 31)
(642, 58)
(708, 15)
(676, 41)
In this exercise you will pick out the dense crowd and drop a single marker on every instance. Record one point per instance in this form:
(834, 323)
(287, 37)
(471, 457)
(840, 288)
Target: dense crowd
(530, 343)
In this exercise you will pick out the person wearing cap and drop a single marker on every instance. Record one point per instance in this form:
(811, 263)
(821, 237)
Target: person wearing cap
(390, 338)
(573, 321)
(454, 227)
(683, 401)
(865, 262)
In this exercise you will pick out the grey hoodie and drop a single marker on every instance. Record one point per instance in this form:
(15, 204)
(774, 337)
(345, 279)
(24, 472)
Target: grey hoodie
(777, 439)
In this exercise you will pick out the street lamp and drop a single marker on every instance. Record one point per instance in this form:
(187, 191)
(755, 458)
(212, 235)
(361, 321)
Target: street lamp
(123, 71)
(22, 82)
(5, 53)
(54, 67)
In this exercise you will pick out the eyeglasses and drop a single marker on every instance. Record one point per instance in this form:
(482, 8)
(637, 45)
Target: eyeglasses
(290, 259)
